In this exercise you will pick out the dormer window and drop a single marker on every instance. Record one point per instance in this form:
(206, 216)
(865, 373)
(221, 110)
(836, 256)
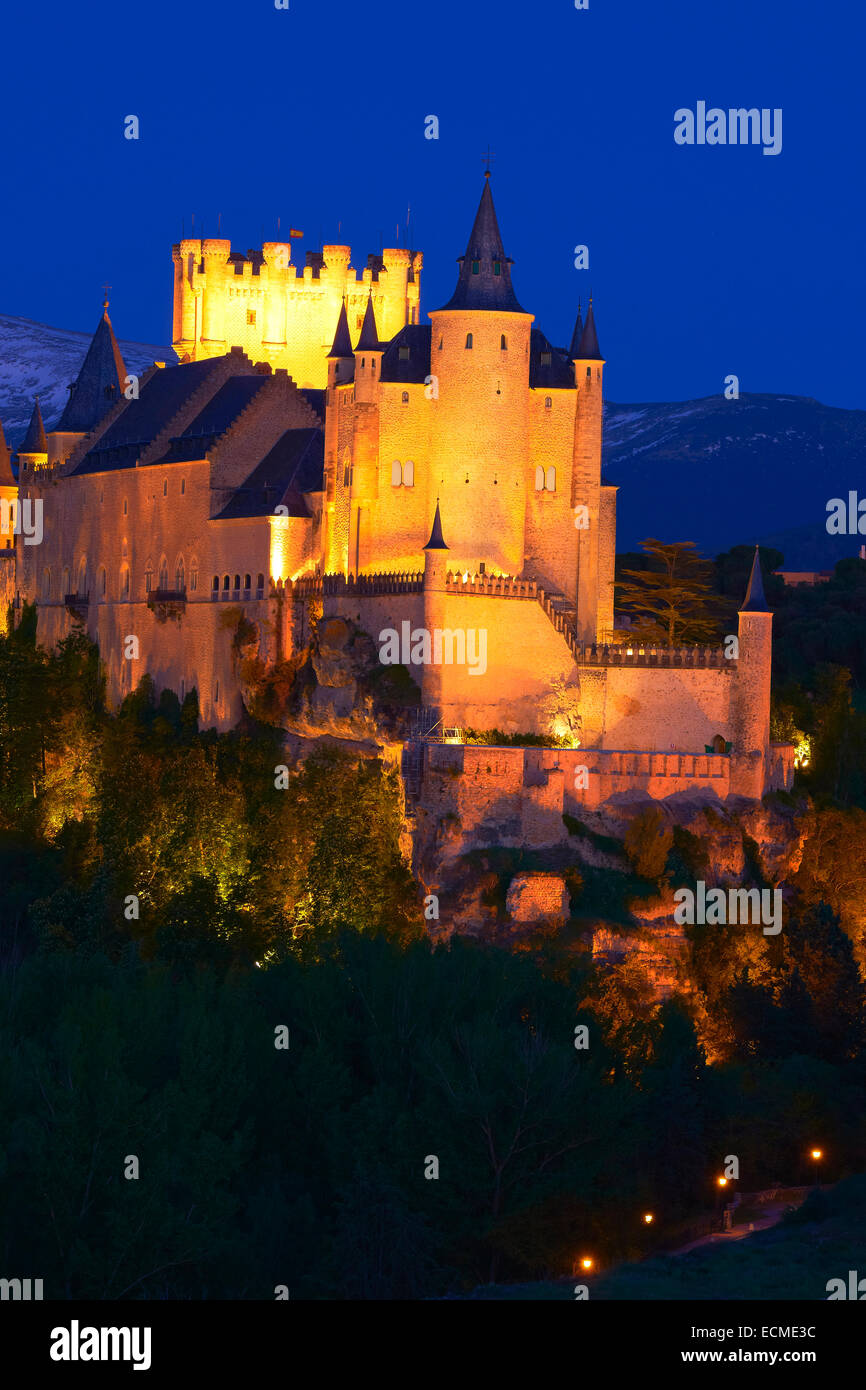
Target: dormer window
(404, 354)
(497, 267)
(476, 267)
(545, 359)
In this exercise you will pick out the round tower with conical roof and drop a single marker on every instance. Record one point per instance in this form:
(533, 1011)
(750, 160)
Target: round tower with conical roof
(750, 702)
(480, 426)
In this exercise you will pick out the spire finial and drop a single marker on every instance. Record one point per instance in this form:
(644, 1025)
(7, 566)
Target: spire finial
(105, 289)
(488, 158)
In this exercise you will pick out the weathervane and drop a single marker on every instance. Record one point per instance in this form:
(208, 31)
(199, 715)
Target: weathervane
(106, 288)
(488, 160)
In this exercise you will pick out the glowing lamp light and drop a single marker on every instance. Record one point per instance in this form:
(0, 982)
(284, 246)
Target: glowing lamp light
(586, 1262)
(723, 1182)
(648, 1218)
(817, 1153)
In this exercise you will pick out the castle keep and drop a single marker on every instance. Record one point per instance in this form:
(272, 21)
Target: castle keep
(318, 443)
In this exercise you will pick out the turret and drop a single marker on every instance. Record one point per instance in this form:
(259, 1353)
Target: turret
(750, 704)
(435, 588)
(480, 425)
(100, 384)
(8, 498)
(365, 442)
(590, 499)
(33, 450)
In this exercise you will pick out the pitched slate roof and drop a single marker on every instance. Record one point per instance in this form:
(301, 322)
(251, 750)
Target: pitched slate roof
(34, 441)
(138, 425)
(478, 284)
(755, 601)
(576, 335)
(294, 465)
(7, 478)
(587, 348)
(369, 339)
(220, 412)
(416, 338)
(316, 397)
(99, 383)
(342, 338)
(558, 373)
(437, 540)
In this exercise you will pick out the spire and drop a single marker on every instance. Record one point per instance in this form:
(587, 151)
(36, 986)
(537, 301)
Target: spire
(576, 335)
(484, 281)
(588, 349)
(6, 476)
(369, 339)
(342, 338)
(436, 541)
(34, 440)
(755, 602)
(100, 381)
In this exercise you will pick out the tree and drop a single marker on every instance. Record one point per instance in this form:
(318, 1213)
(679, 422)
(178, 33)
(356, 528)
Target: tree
(673, 600)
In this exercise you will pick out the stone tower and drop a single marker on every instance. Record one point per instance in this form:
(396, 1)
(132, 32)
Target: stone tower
(750, 703)
(480, 424)
(435, 581)
(592, 524)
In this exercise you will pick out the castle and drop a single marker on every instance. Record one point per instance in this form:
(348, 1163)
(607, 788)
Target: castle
(436, 481)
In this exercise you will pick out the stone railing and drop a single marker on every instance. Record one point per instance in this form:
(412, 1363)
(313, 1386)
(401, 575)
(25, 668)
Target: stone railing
(364, 585)
(500, 586)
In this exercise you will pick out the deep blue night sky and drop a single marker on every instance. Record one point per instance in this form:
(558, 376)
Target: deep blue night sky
(703, 261)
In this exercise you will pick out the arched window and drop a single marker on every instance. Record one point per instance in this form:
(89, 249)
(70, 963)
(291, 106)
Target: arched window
(215, 587)
(719, 744)
(162, 582)
(405, 397)
(102, 583)
(46, 584)
(409, 474)
(248, 583)
(260, 585)
(476, 267)
(550, 480)
(469, 340)
(82, 576)
(396, 473)
(237, 583)
(124, 581)
(363, 361)
(179, 576)
(548, 402)
(226, 583)
(539, 479)
(148, 576)
(193, 575)
(503, 343)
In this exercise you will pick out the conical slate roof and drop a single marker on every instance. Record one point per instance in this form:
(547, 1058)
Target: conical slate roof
(99, 383)
(484, 281)
(576, 335)
(436, 541)
(342, 338)
(6, 476)
(588, 349)
(34, 440)
(369, 339)
(755, 602)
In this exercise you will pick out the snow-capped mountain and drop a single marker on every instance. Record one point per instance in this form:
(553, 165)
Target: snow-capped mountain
(37, 360)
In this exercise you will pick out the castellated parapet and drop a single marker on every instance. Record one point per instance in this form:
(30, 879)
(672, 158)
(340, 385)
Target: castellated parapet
(281, 313)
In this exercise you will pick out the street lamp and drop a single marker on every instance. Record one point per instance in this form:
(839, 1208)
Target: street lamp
(587, 1263)
(816, 1155)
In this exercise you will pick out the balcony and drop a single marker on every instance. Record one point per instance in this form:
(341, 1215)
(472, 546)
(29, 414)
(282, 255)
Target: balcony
(77, 605)
(167, 603)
